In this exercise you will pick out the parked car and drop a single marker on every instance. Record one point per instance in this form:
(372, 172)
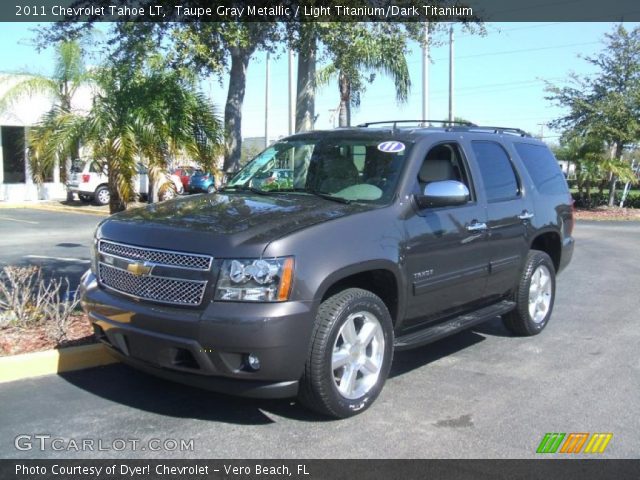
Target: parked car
(201, 181)
(185, 176)
(90, 183)
(389, 238)
(279, 176)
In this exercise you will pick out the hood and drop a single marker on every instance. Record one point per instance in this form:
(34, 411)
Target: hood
(233, 224)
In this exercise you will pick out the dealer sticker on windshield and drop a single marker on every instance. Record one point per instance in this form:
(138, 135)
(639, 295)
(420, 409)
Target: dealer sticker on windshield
(391, 147)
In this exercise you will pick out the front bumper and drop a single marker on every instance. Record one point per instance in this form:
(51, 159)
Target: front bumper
(206, 347)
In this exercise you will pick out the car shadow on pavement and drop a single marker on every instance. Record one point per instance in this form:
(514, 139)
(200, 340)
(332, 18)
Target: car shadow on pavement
(52, 268)
(408, 360)
(493, 328)
(124, 385)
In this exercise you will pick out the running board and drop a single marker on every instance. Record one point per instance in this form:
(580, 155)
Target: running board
(454, 325)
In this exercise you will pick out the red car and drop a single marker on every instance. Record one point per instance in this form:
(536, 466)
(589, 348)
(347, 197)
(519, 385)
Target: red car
(185, 174)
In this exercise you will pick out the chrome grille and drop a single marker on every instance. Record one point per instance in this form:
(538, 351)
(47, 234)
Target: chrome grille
(156, 289)
(190, 261)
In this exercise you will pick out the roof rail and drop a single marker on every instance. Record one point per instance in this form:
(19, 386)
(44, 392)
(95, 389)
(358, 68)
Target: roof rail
(454, 125)
(516, 131)
(423, 123)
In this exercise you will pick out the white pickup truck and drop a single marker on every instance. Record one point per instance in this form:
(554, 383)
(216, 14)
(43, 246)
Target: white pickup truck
(90, 183)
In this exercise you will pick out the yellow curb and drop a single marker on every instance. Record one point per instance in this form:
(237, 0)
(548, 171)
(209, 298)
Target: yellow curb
(28, 365)
(54, 208)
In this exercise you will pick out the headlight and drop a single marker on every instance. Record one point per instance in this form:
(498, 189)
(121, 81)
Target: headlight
(255, 280)
(94, 256)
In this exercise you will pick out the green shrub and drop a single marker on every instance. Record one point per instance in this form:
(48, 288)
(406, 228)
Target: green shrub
(597, 200)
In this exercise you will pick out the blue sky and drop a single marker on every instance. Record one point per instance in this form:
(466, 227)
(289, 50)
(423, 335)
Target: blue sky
(500, 78)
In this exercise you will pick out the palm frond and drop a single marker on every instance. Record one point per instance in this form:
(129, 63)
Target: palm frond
(28, 87)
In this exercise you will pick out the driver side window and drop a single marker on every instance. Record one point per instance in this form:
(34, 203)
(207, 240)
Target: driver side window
(445, 162)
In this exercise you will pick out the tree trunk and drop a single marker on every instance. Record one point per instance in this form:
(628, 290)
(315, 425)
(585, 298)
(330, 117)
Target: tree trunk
(65, 104)
(344, 118)
(115, 202)
(233, 109)
(152, 191)
(614, 179)
(579, 179)
(306, 88)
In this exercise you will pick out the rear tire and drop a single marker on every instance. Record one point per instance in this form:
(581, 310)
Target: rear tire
(534, 296)
(350, 354)
(102, 195)
(211, 189)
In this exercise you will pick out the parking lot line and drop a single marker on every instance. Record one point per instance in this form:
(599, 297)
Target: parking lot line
(18, 220)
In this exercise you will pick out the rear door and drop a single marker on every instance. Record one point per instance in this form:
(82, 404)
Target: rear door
(508, 214)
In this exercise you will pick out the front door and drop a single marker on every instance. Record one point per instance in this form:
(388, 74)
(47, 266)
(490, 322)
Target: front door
(446, 252)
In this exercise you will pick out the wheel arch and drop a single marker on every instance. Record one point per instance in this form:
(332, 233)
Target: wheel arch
(379, 277)
(549, 242)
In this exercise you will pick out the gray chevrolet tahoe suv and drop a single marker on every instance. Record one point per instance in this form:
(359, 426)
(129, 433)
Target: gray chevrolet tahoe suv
(386, 238)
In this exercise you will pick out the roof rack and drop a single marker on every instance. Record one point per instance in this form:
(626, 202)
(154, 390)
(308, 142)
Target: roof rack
(422, 122)
(453, 125)
(483, 128)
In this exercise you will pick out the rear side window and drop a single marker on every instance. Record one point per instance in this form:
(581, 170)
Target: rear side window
(499, 179)
(94, 168)
(543, 168)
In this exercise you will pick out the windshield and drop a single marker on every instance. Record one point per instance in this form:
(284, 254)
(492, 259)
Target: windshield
(351, 169)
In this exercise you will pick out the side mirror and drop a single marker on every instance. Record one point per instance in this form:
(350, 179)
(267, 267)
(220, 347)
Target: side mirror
(448, 193)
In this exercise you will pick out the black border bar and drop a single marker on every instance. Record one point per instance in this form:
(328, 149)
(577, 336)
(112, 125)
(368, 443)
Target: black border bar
(315, 10)
(118, 469)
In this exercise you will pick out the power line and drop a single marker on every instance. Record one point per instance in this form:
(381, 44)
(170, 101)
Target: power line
(509, 52)
(506, 84)
(506, 30)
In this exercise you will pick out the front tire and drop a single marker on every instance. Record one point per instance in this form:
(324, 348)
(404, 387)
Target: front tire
(534, 296)
(350, 354)
(167, 193)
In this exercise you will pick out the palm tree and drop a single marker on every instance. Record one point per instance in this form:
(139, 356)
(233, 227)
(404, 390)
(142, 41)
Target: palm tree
(68, 76)
(136, 116)
(358, 52)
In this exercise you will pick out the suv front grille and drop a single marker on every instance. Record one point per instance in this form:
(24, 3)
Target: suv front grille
(157, 289)
(191, 261)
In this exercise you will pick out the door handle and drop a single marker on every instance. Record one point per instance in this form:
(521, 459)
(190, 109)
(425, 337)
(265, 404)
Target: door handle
(525, 215)
(477, 227)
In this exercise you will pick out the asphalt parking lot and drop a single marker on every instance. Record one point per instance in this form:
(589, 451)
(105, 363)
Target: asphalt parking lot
(57, 242)
(479, 394)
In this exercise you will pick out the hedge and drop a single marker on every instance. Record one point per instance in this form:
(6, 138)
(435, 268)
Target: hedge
(596, 199)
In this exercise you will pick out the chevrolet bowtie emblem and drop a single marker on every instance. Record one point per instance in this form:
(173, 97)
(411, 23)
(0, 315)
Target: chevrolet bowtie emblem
(139, 269)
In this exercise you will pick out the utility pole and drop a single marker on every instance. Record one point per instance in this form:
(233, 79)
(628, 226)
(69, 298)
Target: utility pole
(266, 104)
(292, 96)
(451, 74)
(425, 72)
(541, 125)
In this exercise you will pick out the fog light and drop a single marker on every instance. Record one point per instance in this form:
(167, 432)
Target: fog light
(253, 362)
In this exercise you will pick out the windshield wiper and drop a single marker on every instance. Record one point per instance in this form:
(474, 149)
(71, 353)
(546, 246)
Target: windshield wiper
(326, 196)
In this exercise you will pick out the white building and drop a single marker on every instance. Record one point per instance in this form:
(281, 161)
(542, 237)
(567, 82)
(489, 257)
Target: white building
(16, 182)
